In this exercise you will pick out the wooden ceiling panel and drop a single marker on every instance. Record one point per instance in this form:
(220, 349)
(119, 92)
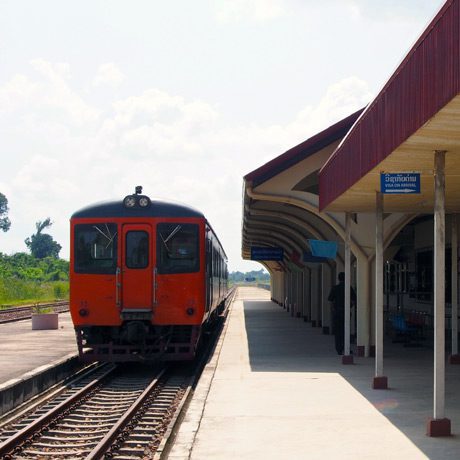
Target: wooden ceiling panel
(442, 132)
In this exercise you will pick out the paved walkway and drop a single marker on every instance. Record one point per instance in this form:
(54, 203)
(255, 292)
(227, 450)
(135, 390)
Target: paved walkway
(276, 390)
(23, 350)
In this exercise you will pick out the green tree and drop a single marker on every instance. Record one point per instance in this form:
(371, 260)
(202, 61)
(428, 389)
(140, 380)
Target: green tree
(5, 223)
(41, 244)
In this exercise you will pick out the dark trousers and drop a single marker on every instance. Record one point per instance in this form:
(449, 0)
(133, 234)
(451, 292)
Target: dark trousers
(339, 333)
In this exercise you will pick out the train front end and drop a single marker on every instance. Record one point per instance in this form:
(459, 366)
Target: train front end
(137, 280)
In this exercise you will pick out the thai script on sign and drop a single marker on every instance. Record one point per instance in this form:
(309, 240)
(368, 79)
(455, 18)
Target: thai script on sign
(400, 183)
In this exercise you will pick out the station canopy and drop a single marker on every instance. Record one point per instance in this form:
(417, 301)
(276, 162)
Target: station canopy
(294, 197)
(281, 199)
(415, 114)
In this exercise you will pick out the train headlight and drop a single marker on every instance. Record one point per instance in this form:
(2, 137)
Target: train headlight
(129, 201)
(144, 202)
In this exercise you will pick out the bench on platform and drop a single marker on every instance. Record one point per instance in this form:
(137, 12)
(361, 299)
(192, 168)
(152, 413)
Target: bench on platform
(409, 329)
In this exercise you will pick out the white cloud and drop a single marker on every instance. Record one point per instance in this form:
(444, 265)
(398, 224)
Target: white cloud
(175, 147)
(50, 93)
(407, 11)
(341, 99)
(108, 75)
(16, 92)
(252, 10)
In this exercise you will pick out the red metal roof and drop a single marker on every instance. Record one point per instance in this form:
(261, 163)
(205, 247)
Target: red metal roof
(426, 80)
(303, 150)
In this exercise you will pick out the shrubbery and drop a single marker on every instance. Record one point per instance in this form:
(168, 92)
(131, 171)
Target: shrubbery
(24, 278)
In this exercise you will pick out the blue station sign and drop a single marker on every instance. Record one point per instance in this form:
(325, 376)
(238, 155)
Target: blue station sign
(400, 183)
(267, 253)
(320, 248)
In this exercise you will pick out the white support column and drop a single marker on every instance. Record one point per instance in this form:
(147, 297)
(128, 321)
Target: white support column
(276, 282)
(314, 296)
(319, 294)
(303, 310)
(439, 285)
(307, 296)
(294, 293)
(290, 300)
(454, 358)
(380, 381)
(363, 306)
(299, 294)
(326, 314)
(347, 358)
(302, 293)
(284, 289)
(439, 425)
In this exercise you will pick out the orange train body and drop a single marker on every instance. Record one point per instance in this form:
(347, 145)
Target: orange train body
(145, 278)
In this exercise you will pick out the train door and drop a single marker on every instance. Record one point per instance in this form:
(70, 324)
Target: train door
(137, 267)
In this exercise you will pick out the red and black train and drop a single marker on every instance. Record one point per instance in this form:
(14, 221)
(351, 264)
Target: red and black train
(145, 278)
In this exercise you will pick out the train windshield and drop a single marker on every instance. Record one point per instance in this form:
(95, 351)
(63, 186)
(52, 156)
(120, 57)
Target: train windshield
(95, 248)
(177, 248)
(137, 249)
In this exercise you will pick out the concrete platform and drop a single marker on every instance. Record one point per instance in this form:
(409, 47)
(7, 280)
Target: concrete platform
(23, 350)
(275, 389)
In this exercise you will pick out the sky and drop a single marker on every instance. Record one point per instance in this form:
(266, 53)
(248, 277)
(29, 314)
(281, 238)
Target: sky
(181, 97)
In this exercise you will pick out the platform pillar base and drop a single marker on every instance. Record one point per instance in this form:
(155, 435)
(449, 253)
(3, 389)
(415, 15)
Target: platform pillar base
(361, 350)
(380, 383)
(454, 359)
(438, 427)
(347, 359)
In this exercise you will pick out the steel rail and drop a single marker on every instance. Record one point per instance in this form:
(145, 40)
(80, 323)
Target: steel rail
(55, 391)
(109, 438)
(11, 314)
(17, 439)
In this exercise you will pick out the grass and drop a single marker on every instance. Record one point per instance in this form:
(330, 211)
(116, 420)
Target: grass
(15, 292)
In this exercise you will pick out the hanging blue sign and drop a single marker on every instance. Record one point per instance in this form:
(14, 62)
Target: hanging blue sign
(267, 254)
(400, 183)
(326, 249)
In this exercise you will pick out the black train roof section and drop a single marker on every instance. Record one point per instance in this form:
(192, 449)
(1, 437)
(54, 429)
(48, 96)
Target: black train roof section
(156, 209)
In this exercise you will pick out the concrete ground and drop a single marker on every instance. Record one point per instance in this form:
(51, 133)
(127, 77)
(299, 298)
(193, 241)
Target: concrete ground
(275, 389)
(23, 350)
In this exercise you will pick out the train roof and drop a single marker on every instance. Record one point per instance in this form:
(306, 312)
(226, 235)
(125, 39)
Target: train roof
(157, 208)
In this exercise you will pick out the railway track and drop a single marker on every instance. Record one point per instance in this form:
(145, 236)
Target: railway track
(8, 315)
(122, 412)
(109, 413)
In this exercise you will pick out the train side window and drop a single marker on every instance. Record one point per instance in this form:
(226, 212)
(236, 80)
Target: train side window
(95, 248)
(137, 249)
(177, 248)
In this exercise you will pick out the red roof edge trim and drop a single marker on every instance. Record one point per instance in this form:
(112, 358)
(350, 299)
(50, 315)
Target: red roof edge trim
(425, 81)
(303, 150)
(395, 74)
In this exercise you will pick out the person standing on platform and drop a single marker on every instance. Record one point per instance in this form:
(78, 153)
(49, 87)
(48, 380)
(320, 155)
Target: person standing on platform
(337, 297)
